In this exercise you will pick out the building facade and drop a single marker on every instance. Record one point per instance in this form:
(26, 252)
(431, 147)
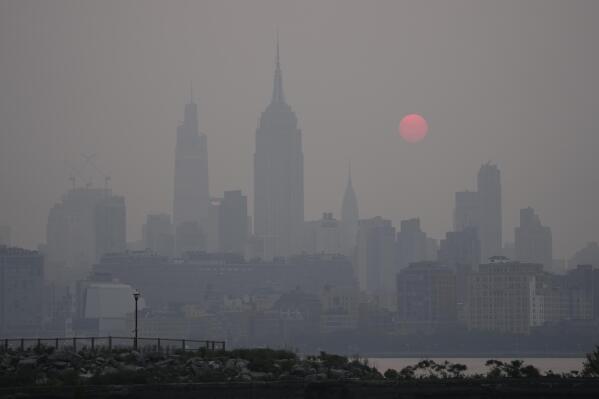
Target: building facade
(490, 211)
(110, 221)
(198, 276)
(460, 248)
(503, 297)
(375, 260)
(426, 296)
(85, 225)
(533, 242)
(233, 222)
(411, 243)
(466, 210)
(323, 236)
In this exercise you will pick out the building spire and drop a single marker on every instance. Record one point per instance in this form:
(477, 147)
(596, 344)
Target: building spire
(278, 59)
(349, 216)
(191, 91)
(277, 89)
(349, 174)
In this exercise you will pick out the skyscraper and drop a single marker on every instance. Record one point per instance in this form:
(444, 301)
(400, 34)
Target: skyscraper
(191, 192)
(111, 225)
(411, 243)
(374, 262)
(212, 236)
(86, 224)
(460, 248)
(490, 222)
(278, 175)
(533, 240)
(466, 211)
(349, 218)
(233, 222)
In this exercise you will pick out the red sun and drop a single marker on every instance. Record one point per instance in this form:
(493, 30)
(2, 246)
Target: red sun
(413, 128)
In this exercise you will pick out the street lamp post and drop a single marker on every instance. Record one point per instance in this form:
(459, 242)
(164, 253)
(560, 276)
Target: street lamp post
(136, 297)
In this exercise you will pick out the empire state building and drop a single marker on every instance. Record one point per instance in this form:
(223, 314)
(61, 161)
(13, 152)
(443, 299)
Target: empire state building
(278, 175)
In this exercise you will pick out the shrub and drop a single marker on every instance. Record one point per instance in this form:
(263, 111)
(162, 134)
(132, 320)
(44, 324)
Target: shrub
(513, 369)
(590, 367)
(263, 359)
(333, 361)
(391, 374)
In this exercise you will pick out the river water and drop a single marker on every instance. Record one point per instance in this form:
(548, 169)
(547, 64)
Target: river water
(477, 365)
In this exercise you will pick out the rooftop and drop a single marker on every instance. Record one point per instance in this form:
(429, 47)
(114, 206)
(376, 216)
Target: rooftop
(16, 251)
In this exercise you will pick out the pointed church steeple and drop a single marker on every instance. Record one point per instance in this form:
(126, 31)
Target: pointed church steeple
(277, 88)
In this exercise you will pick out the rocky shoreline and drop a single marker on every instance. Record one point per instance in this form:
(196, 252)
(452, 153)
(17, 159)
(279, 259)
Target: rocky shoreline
(46, 367)
(264, 373)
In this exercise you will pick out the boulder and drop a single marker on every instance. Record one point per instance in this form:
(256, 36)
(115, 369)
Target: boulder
(59, 364)
(215, 364)
(28, 362)
(231, 364)
(64, 356)
(154, 356)
(338, 373)
(86, 375)
(109, 370)
(259, 375)
(130, 368)
(165, 363)
(315, 377)
(41, 379)
(300, 370)
(136, 357)
(194, 360)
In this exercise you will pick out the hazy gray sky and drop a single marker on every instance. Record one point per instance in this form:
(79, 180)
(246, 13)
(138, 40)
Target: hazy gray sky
(512, 82)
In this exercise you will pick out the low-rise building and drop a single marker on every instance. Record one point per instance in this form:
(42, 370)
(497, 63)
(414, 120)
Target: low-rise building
(104, 307)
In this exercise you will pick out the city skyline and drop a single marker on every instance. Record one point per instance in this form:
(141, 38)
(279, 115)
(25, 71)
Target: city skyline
(392, 179)
(323, 89)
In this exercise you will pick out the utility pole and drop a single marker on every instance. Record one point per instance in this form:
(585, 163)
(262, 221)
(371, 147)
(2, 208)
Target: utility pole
(136, 297)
